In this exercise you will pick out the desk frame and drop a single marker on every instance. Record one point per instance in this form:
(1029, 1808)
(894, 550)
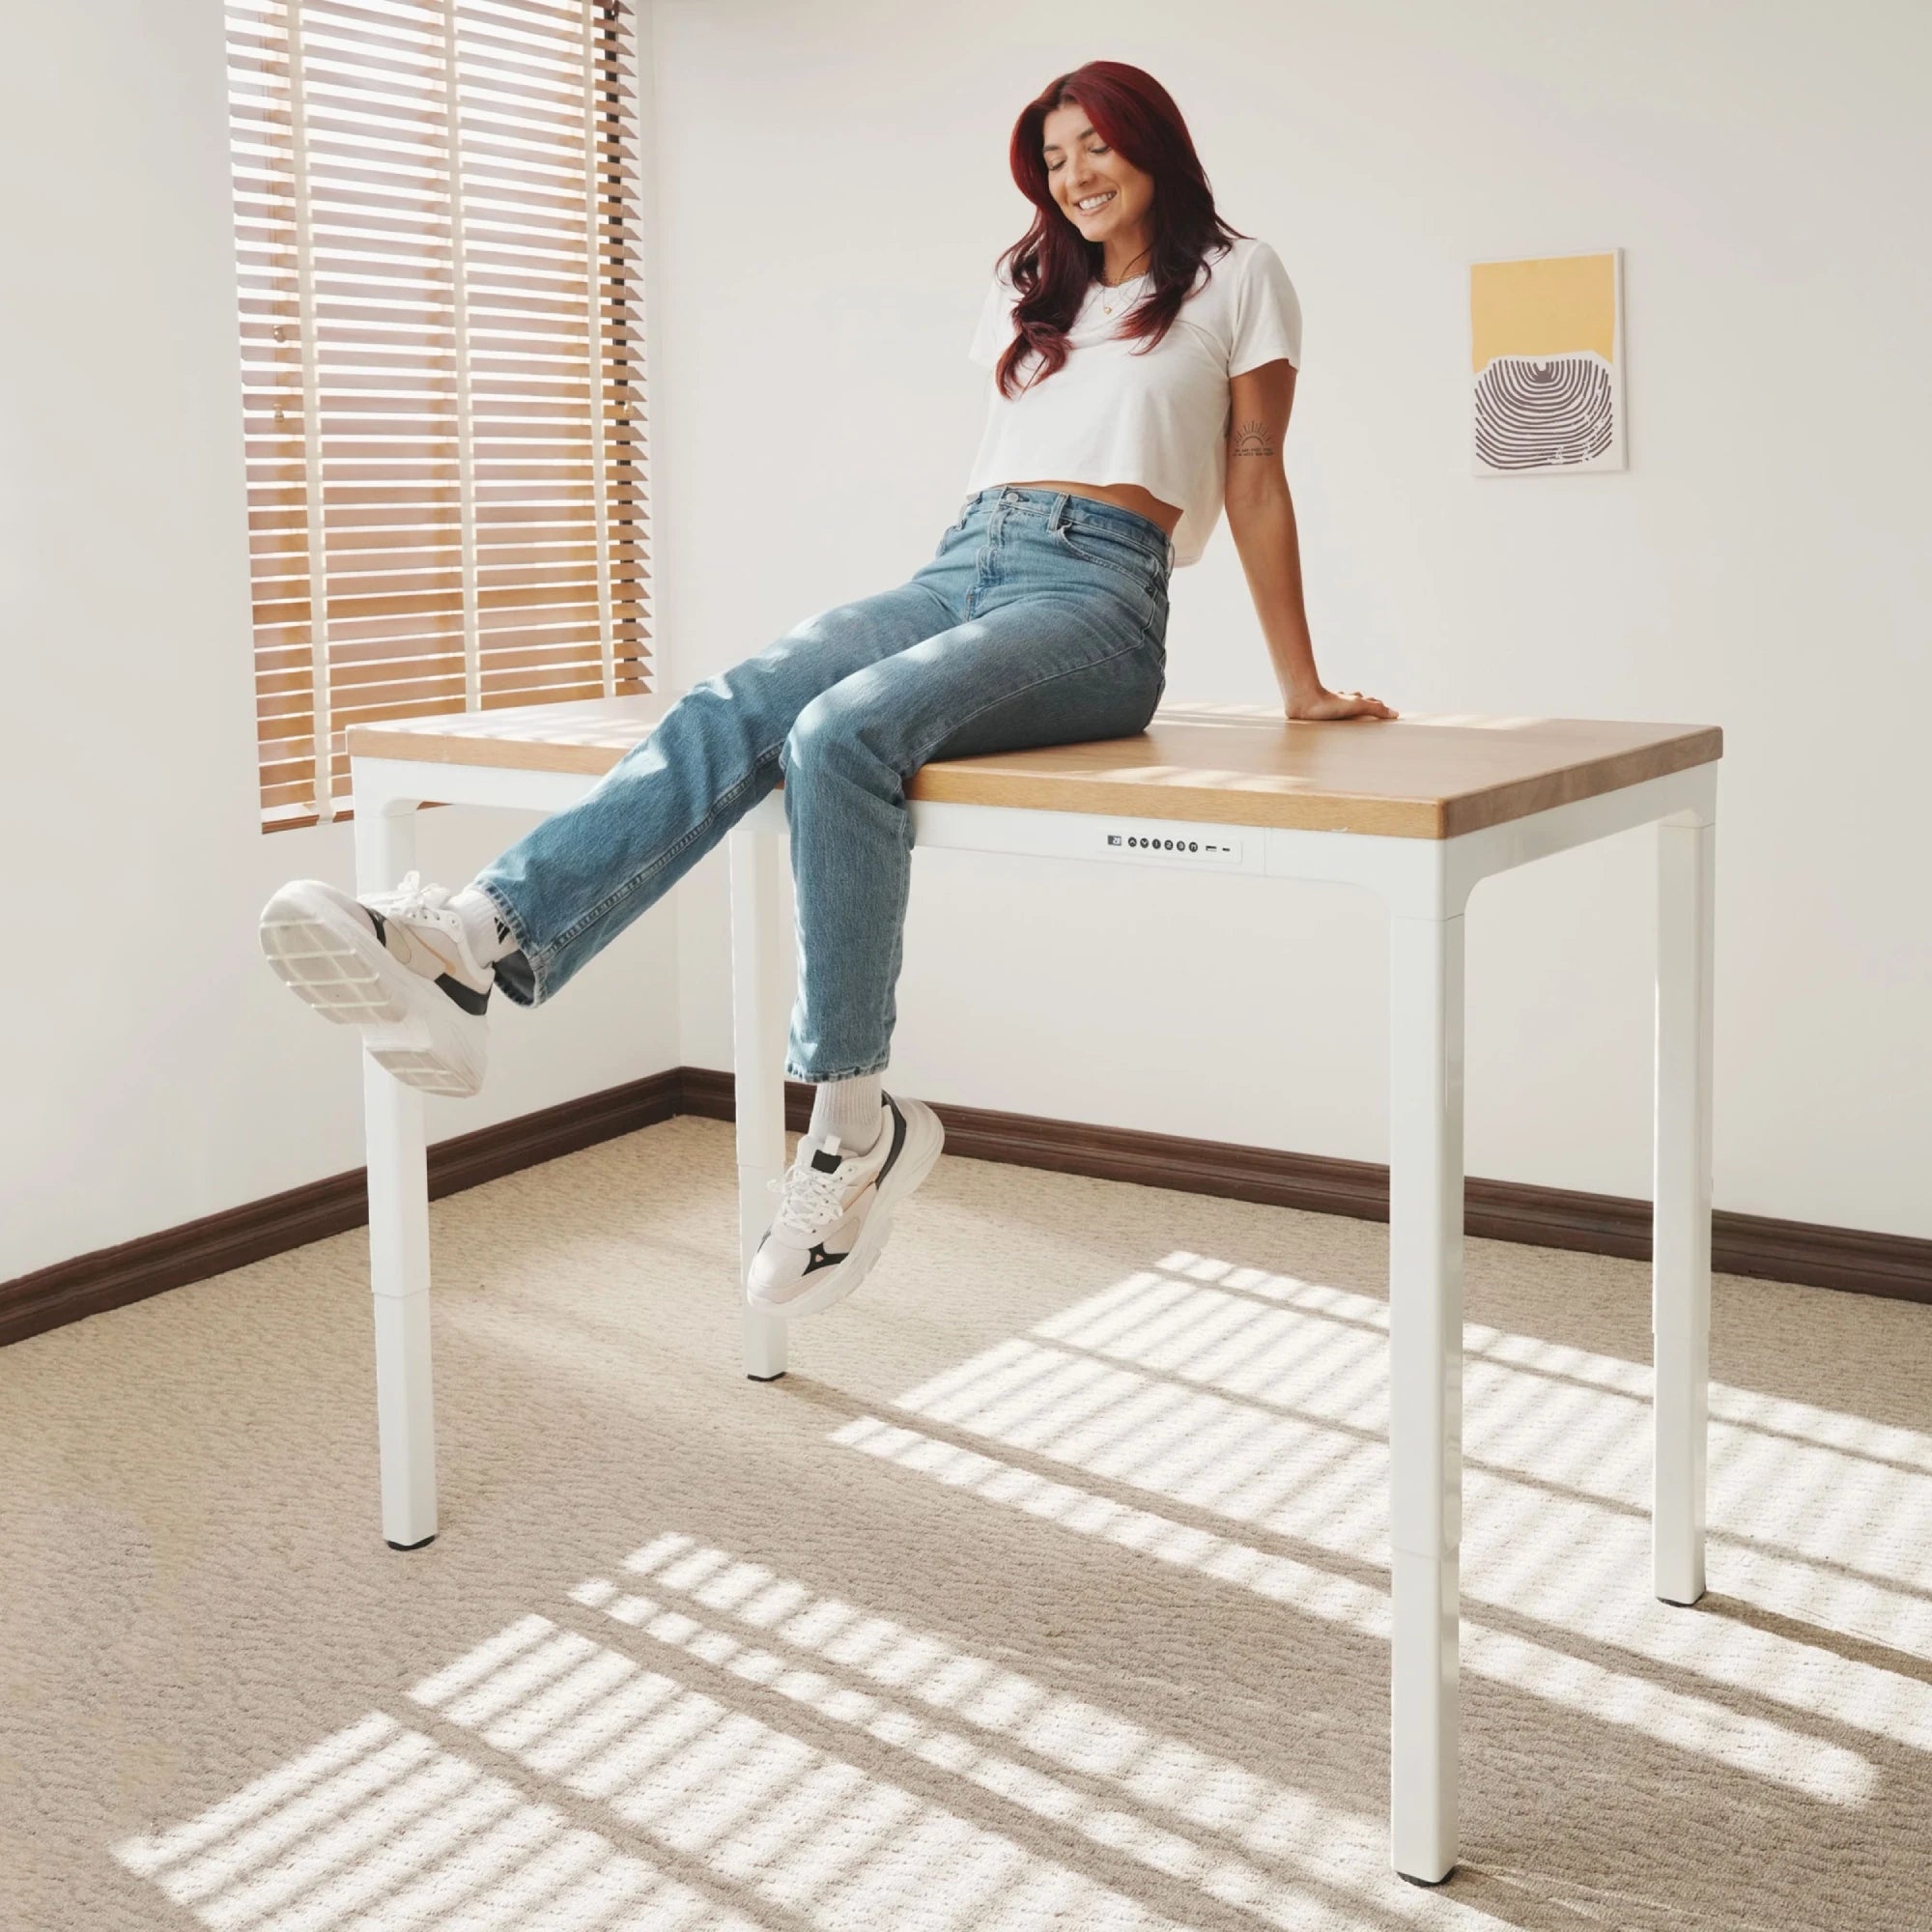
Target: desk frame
(1426, 884)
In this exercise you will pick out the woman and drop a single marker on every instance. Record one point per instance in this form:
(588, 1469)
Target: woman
(1145, 356)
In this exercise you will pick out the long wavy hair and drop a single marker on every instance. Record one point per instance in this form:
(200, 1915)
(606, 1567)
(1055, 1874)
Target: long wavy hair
(1053, 265)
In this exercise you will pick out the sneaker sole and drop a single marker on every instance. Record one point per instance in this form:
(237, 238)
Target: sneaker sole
(330, 961)
(925, 1140)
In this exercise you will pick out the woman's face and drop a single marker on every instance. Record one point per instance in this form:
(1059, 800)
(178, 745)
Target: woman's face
(1080, 167)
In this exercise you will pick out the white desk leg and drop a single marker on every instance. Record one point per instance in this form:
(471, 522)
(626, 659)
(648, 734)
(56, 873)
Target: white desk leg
(1426, 1386)
(758, 1027)
(1681, 1235)
(398, 1165)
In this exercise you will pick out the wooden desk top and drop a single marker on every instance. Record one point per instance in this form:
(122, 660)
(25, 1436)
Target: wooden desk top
(1227, 764)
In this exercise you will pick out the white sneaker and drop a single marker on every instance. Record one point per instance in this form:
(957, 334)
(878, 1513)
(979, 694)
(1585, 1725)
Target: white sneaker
(837, 1209)
(397, 964)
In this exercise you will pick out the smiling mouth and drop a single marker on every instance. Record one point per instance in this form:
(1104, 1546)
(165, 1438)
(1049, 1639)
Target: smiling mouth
(1098, 205)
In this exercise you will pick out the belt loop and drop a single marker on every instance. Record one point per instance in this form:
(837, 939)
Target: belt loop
(1056, 513)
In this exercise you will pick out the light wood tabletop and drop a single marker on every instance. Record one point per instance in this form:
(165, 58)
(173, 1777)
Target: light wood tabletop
(1225, 764)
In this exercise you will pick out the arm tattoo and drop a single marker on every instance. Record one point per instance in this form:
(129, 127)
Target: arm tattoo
(1252, 440)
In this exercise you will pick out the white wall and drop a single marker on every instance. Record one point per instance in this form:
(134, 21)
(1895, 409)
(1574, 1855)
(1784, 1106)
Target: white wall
(153, 1070)
(834, 189)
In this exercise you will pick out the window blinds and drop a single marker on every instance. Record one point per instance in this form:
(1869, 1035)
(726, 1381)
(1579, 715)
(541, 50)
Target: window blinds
(442, 365)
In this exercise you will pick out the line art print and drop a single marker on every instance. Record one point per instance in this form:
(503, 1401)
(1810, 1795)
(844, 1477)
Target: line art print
(1546, 352)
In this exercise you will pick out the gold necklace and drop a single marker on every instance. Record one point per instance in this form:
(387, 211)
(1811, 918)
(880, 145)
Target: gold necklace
(1107, 308)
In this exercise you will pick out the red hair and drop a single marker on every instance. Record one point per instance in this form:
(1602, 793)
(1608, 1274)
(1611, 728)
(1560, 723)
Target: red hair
(1052, 265)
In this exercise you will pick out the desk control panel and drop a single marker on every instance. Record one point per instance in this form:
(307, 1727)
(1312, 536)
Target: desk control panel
(1079, 835)
(1203, 845)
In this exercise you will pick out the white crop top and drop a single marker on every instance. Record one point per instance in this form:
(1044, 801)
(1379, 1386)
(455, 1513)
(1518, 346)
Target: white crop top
(1117, 413)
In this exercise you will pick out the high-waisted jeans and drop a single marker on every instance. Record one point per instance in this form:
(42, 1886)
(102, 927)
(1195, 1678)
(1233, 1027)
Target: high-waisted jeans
(1041, 619)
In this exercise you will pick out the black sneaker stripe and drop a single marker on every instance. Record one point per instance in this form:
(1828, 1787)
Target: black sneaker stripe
(466, 997)
(898, 1141)
(818, 1259)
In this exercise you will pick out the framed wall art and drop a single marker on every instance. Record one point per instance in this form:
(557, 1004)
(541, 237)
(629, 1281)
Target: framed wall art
(1546, 364)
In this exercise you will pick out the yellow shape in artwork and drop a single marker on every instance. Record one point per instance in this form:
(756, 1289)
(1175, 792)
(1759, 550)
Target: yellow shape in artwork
(1551, 305)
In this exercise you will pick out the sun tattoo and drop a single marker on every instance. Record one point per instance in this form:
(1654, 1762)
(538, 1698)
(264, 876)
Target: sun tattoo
(1253, 440)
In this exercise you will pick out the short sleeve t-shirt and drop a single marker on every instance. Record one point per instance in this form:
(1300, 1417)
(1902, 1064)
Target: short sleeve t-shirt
(1117, 413)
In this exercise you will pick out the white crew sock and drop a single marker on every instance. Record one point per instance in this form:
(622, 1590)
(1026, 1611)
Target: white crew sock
(489, 939)
(851, 1110)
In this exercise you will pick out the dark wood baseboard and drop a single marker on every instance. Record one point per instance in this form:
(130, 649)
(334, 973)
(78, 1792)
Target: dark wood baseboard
(112, 1277)
(1898, 1266)
(1895, 1265)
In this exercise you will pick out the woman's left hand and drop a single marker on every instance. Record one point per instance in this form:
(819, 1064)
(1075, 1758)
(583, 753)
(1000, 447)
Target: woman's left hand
(1326, 704)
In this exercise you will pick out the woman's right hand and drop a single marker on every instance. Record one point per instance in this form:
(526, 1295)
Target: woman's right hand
(1324, 704)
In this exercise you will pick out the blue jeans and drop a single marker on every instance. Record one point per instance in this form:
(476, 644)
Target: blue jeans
(1041, 619)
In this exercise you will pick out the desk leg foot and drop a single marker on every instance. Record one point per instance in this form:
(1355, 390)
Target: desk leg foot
(1426, 1388)
(399, 1275)
(1681, 1234)
(764, 1344)
(1424, 1699)
(760, 1007)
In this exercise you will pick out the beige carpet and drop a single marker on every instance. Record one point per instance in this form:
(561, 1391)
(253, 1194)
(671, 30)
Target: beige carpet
(1045, 1591)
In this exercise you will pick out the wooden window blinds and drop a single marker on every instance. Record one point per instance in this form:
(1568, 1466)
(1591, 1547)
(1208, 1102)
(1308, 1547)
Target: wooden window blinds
(442, 365)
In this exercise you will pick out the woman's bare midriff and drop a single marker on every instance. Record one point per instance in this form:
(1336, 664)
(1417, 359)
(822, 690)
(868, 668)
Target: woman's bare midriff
(1122, 495)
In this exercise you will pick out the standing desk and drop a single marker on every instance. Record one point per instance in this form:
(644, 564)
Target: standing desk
(1417, 811)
